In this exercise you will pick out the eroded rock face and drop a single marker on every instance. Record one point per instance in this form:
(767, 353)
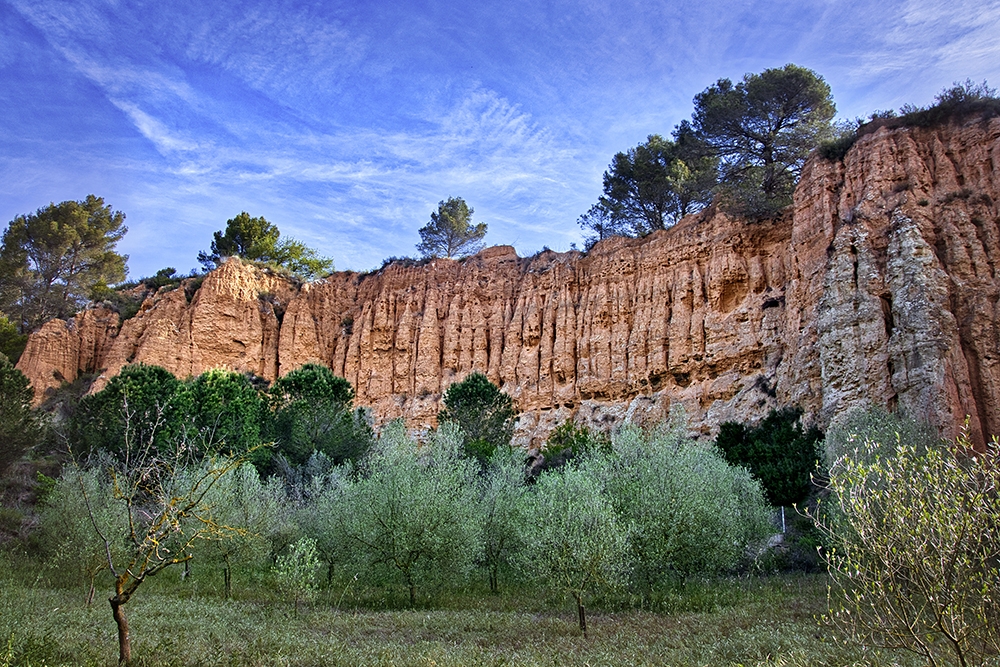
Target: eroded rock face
(878, 287)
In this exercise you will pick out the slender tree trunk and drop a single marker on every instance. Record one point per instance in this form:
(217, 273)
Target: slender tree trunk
(581, 613)
(494, 584)
(90, 593)
(227, 575)
(124, 640)
(413, 595)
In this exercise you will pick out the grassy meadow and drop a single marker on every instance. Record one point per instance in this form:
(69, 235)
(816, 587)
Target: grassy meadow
(731, 621)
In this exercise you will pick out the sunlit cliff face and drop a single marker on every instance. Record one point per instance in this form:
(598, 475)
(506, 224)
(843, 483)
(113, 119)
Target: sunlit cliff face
(878, 286)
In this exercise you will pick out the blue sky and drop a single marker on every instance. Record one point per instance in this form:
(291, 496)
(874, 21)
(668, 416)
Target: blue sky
(344, 123)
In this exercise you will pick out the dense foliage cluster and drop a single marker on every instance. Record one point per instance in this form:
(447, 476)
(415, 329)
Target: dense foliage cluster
(484, 414)
(777, 451)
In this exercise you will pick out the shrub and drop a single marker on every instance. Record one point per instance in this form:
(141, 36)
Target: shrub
(312, 413)
(915, 550)
(143, 405)
(20, 428)
(570, 440)
(777, 452)
(862, 428)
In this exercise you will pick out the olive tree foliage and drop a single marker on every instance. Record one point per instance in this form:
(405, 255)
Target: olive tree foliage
(652, 186)
(857, 431)
(50, 259)
(762, 129)
(501, 506)
(312, 412)
(72, 538)
(410, 518)
(450, 233)
(485, 415)
(297, 571)
(256, 514)
(690, 512)
(20, 427)
(575, 541)
(258, 240)
(914, 549)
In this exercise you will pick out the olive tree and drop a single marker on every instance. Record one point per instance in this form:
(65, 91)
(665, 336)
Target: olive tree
(71, 539)
(297, 571)
(914, 550)
(689, 511)
(411, 516)
(576, 542)
(255, 511)
(501, 506)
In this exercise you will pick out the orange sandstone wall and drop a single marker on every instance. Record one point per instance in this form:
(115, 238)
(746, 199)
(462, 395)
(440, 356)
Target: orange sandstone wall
(879, 287)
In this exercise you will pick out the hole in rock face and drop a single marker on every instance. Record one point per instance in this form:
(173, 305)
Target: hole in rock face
(890, 323)
(682, 379)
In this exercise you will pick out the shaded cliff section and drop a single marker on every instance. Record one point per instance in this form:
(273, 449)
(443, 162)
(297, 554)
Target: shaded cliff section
(879, 287)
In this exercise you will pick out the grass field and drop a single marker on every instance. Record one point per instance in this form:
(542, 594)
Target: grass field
(765, 621)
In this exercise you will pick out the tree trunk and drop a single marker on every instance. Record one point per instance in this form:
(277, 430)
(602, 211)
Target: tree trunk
(124, 641)
(227, 576)
(90, 593)
(581, 613)
(494, 584)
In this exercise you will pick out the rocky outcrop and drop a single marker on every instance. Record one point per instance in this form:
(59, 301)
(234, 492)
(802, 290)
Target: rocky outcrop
(879, 286)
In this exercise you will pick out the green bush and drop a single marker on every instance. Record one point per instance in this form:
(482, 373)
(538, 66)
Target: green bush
(142, 406)
(20, 428)
(297, 571)
(568, 441)
(855, 433)
(226, 411)
(313, 413)
(777, 451)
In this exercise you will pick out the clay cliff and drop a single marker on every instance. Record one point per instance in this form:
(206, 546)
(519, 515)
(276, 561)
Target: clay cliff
(879, 286)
